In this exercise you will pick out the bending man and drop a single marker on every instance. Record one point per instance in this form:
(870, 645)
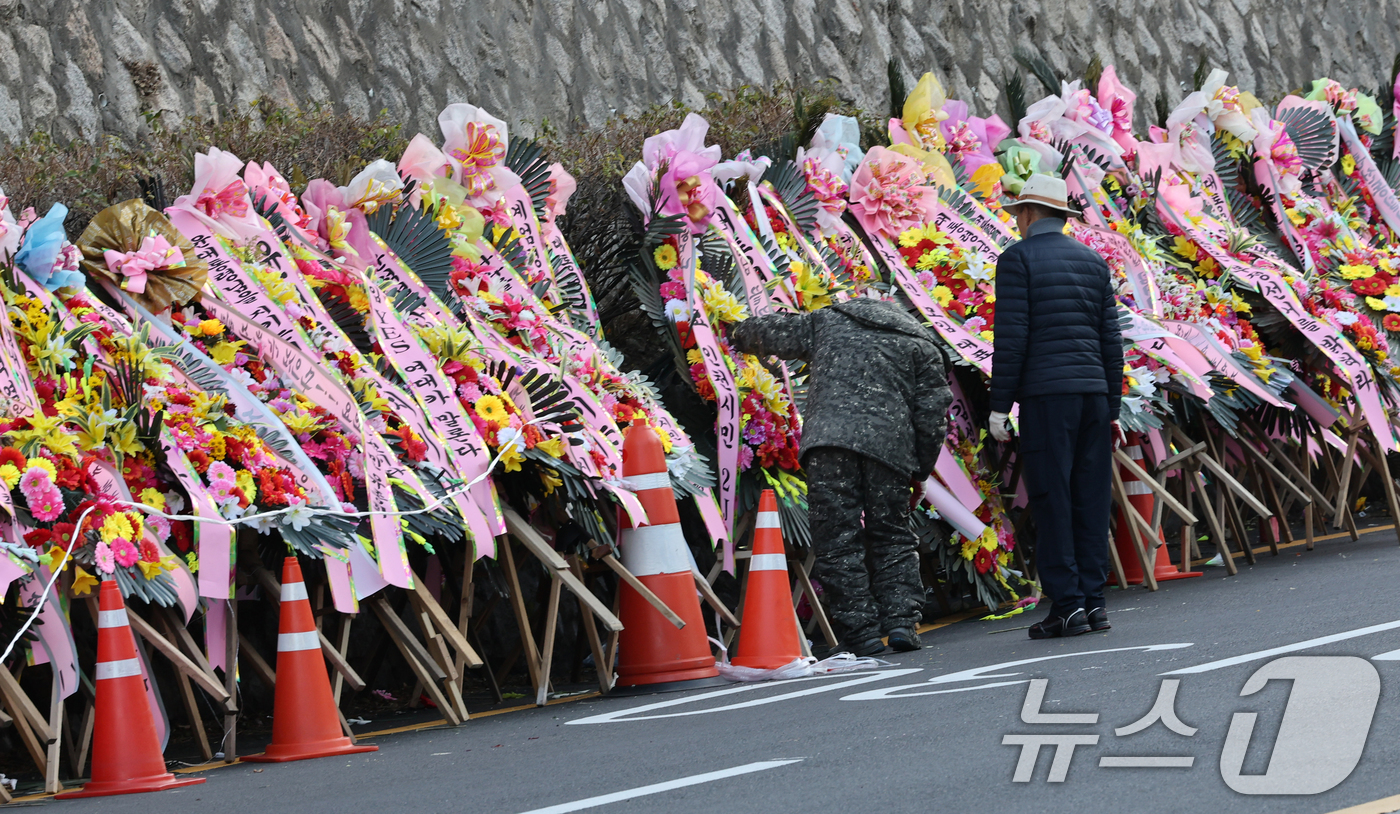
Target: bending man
(873, 424)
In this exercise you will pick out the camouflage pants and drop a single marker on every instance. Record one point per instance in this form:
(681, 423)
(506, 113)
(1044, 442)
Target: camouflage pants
(869, 574)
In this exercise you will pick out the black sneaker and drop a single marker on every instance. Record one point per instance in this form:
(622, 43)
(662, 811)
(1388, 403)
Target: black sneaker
(903, 640)
(1056, 626)
(1098, 620)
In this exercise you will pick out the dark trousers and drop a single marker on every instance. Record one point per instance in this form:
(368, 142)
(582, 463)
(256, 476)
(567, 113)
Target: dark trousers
(1067, 449)
(869, 572)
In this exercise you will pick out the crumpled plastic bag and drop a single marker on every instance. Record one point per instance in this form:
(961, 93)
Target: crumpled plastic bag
(800, 668)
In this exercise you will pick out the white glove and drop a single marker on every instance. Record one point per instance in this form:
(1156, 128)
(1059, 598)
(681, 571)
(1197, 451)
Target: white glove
(997, 425)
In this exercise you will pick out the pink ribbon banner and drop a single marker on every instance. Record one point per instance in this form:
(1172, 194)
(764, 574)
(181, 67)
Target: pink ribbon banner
(1382, 195)
(971, 348)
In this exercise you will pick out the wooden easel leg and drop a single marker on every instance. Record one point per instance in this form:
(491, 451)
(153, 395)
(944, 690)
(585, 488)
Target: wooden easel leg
(804, 574)
(26, 732)
(437, 650)
(51, 784)
(610, 654)
(428, 672)
(338, 680)
(187, 696)
(1382, 467)
(464, 611)
(1213, 520)
(1130, 513)
(1265, 485)
(259, 665)
(80, 753)
(551, 625)
(590, 629)
(1118, 575)
(1311, 509)
(522, 619)
(229, 743)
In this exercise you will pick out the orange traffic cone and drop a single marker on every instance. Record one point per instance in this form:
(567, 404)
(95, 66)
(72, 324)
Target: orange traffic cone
(1140, 495)
(126, 757)
(304, 719)
(651, 650)
(768, 638)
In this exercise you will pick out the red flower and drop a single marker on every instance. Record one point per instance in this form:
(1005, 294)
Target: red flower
(38, 538)
(149, 552)
(1391, 322)
(10, 455)
(983, 561)
(1372, 286)
(180, 533)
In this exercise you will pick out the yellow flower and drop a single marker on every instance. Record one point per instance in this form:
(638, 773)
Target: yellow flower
(218, 447)
(490, 408)
(911, 237)
(510, 456)
(694, 357)
(1185, 248)
(117, 525)
(244, 479)
(150, 570)
(83, 582)
(810, 286)
(1376, 304)
(989, 539)
(969, 548)
(551, 481)
(665, 257)
(1254, 352)
(1297, 217)
(554, 447)
(1357, 272)
(224, 352)
(211, 327)
(1240, 305)
(1393, 290)
(943, 294)
(723, 306)
(153, 498)
(666, 442)
(359, 300)
(1208, 267)
(986, 336)
(10, 475)
(1348, 164)
(46, 465)
(984, 181)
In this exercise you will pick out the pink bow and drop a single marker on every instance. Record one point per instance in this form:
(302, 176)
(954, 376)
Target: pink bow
(155, 253)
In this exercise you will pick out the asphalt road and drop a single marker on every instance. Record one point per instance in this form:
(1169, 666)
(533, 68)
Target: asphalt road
(927, 733)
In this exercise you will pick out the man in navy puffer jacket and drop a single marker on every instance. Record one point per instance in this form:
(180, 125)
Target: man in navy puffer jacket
(1059, 353)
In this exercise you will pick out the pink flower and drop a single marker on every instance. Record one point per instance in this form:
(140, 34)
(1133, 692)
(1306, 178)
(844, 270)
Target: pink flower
(159, 526)
(232, 199)
(49, 505)
(889, 192)
(221, 473)
(34, 483)
(106, 563)
(124, 552)
(1118, 100)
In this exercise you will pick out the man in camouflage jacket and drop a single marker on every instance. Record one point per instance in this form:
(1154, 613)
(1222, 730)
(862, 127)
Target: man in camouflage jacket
(873, 424)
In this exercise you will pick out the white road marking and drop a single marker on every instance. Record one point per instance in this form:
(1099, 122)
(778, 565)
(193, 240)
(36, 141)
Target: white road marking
(1287, 648)
(1393, 655)
(978, 673)
(626, 715)
(657, 788)
(880, 695)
